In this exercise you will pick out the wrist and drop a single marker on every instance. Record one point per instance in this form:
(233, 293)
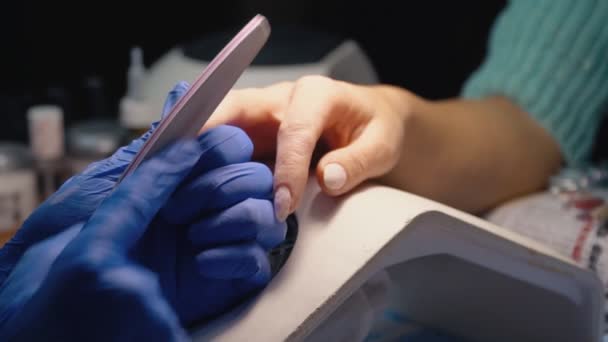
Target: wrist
(409, 111)
(398, 101)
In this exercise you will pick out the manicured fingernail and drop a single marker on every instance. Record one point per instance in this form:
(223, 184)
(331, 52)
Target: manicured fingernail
(334, 176)
(282, 202)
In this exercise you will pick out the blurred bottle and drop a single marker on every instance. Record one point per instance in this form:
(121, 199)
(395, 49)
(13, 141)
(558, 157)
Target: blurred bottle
(46, 133)
(134, 111)
(18, 193)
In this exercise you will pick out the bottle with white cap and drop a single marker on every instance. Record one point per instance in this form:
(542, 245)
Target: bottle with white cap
(135, 114)
(46, 131)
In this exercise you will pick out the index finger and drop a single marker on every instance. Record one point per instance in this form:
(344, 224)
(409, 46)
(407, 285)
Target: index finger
(257, 111)
(313, 100)
(250, 107)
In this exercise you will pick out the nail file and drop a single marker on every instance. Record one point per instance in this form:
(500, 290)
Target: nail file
(193, 109)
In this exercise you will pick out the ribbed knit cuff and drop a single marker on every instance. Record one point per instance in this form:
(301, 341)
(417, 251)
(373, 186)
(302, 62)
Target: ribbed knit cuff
(551, 58)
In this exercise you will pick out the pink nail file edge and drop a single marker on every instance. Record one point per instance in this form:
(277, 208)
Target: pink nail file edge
(193, 109)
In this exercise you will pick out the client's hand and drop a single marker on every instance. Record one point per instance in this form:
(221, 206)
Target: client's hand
(361, 126)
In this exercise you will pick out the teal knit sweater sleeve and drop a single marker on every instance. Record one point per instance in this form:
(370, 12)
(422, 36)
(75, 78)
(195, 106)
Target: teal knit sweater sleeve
(551, 58)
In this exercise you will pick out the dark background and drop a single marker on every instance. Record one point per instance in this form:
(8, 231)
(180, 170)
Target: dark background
(50, 48)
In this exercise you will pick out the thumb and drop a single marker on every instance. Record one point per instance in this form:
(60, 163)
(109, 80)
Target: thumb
(369, 155)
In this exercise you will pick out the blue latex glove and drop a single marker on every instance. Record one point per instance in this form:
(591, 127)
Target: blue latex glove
(209, 243)
(76, 200)
(208, 254)
(93, 289)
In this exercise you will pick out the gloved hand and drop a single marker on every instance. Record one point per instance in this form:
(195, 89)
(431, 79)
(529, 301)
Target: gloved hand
(199, 281)
(78, 198)
(209, 242)
(94, 290)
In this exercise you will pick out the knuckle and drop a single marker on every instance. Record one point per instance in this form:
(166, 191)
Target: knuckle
(358, 164)
(282, 85)
(385, 155)
(140, 282)
(298, 133)
(330, 95)
(331, 90)
(86, 265)
(313, 80)
(295, 126)
(385, 150)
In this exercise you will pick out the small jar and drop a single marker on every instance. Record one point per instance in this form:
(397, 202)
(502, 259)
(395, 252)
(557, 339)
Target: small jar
(91, 141)
(18, 190)
(46, 133)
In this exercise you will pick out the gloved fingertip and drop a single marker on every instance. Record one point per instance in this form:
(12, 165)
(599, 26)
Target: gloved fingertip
(274, 235)
(181, 87)
(174, 95)
(262, 277)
